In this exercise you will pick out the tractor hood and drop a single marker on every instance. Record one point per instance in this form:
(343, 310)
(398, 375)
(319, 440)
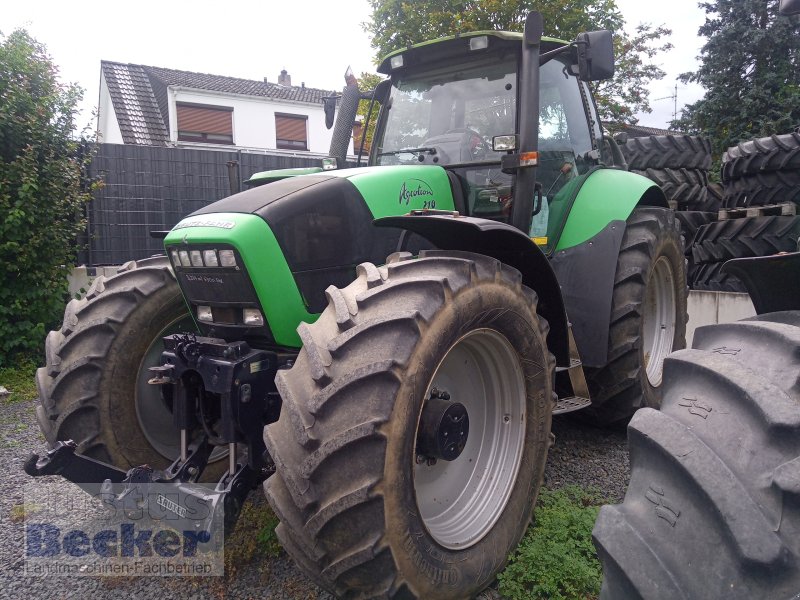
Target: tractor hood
(322, 224)
(383, 191)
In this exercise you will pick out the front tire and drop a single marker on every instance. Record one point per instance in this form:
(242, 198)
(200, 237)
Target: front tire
(93, 389)
(360, 513)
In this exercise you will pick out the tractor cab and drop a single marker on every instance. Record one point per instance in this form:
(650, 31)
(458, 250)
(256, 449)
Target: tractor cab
(460, 111)
(455, 103)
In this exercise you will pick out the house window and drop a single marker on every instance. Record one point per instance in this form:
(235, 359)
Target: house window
(201, 123)
(291, 132)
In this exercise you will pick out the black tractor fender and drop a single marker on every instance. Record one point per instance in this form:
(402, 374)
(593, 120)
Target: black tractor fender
(508, 245)
(773, 282)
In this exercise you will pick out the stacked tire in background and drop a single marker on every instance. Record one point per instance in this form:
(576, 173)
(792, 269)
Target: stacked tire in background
(759, 191)
(762, 172)
(761, 186)
(679, 164)
(744, 237)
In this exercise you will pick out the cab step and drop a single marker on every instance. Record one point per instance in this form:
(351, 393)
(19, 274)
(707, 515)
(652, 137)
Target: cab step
(580, 398)
(571, 404)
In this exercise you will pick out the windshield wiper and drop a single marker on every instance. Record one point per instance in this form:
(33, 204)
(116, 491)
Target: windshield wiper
(430, 151)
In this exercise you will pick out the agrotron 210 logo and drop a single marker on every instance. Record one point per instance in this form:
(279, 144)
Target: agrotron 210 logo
(415, 188)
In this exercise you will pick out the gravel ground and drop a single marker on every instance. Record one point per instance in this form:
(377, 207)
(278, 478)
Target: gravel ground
(582, 455)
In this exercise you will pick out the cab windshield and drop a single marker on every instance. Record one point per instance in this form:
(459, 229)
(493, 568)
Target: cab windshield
(448, 117)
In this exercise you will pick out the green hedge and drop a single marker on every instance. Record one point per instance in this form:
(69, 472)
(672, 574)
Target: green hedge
(42, 193)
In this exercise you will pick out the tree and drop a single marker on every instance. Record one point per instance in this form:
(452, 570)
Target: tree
(366, 82)
(751, 72)
(41, 192)
(398, 23)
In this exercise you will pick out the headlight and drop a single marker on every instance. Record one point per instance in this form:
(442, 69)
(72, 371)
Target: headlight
(210, 258)
(176, 260)
(197, 258)
(204, 314)
(184, 254)
(227, 258)
(252, 316)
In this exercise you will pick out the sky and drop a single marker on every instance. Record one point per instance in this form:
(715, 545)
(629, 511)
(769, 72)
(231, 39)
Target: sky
(314, 40)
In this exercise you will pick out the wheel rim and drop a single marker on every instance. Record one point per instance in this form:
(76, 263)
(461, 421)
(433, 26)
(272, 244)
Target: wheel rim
(461, 500)
(155, 415)
(659, 319)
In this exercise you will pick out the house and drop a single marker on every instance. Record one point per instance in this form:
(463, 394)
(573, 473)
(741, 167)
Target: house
(155, 106)
(641, 131)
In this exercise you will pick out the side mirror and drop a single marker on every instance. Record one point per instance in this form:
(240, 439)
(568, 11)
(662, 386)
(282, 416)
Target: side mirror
(329, 104)
(595, 55)
(789, 7)
(382, 91)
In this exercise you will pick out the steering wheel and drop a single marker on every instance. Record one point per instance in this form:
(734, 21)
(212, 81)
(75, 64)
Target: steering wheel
(478, 148)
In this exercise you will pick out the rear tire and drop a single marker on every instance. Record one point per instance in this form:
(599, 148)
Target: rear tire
(358, 514)
(713, 506)
(648, 317)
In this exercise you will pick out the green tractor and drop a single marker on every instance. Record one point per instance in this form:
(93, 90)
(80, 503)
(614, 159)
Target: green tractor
(385, 346)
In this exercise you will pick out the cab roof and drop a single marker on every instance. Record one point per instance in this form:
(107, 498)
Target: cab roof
(455, 45)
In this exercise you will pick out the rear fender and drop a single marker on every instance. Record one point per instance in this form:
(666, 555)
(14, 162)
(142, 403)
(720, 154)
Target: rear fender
(508, 245)
(605, 195)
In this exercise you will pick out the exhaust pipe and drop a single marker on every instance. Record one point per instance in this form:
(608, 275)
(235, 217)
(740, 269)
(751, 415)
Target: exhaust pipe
(343, 128)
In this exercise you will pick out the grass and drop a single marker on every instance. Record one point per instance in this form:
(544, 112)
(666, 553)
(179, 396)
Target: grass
(20, 380)
(254, 537)
(556, 559)
(19, 512)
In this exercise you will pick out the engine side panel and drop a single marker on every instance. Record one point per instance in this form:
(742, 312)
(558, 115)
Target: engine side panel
(398, 189)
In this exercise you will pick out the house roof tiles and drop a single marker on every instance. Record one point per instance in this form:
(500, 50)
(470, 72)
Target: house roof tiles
(235, 85)
(140, 120)
(144, 121)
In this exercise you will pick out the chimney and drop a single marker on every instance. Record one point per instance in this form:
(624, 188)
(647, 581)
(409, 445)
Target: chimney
(284, 78)
(265, 80)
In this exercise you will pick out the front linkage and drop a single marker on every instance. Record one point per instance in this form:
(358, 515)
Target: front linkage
(221, 394)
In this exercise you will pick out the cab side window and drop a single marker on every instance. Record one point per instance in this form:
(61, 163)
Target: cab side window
(564, 134)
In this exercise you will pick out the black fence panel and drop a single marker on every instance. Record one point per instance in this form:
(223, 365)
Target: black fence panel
(148, 189)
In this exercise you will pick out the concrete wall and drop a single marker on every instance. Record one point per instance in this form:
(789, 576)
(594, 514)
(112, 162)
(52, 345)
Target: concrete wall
(708, 308)
(81, 278)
